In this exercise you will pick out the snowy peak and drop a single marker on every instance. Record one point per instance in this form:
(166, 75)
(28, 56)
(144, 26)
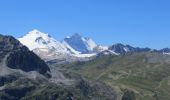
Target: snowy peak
(39, 40)
(38, 34)
(80, 44)
(35, 31)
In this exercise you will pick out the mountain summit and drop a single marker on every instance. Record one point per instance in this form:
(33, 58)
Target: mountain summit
(36, 39)
(80, 44)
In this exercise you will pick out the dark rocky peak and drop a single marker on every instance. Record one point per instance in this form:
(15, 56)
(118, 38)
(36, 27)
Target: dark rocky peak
(17, 56)
(8, 43)
(122, 49)
(165, 50)
(77, 43)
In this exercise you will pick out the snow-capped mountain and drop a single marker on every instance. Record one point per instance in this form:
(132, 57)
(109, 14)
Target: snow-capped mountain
(165, 51)
(49, 49)
(39, 40)
(75, 47)
(44, 45)
(79, 44)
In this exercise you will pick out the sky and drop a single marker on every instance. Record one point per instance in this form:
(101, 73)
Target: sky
(143, 23)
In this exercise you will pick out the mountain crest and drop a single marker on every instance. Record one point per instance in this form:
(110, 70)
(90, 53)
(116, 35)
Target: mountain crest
(76, 35)
(35, 31)
(37, 34)
(80, 44)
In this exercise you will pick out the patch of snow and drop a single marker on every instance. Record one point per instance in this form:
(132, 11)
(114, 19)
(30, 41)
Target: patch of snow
(85, 55)
(166, 53)
(126, 49)
(101, 48)
(113, 52)
(90, 44)
(67, 36)
(70, 48)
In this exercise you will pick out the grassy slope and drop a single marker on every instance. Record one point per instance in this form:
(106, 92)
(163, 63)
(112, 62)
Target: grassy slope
(144, 73)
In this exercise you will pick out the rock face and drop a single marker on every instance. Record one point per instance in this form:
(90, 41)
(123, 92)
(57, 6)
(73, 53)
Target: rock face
(26, 61)
(164, 51)
(80, 44)
(7, 79)
(128, 95)
(122, 49)
(16, 56)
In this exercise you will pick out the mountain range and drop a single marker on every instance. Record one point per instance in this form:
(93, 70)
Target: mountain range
(25, 76)
(79, 69)
(75, 47)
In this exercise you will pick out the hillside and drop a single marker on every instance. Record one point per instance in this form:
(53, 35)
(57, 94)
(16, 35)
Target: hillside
(145, 74)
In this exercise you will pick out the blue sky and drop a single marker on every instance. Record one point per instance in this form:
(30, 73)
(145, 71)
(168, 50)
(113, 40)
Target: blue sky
(144, 23)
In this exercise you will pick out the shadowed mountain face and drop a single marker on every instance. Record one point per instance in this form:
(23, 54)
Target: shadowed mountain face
(164, 50)
(16, 56)
(77, 43)
(122, 49)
